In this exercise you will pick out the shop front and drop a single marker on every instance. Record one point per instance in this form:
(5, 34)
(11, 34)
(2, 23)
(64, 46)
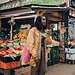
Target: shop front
(14, 26)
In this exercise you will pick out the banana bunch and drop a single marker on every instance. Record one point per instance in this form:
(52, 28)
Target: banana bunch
(21, 35)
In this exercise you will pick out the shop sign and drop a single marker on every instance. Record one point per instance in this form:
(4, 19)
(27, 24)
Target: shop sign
(48, 2)
(17, 3)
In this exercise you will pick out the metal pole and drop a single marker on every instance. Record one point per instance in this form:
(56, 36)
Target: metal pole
(65, 19)
(11, 30)
(66, 14)
(0, 24)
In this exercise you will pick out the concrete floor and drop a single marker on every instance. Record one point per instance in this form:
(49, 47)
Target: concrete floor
(61, 69)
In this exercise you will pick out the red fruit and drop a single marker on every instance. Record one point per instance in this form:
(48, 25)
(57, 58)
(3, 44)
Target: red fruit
(3, 53)
(18, 48)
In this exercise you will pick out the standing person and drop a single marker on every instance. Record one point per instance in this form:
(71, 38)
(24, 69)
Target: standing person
(34, 43)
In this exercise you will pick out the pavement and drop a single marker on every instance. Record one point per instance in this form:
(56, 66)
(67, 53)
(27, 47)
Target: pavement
(61, 69)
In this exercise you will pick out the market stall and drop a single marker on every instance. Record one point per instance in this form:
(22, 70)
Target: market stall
(56, 21)
(18, 27)
(11, 46)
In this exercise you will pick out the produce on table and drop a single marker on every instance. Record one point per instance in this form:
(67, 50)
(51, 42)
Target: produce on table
(21, 35)
(1, 41)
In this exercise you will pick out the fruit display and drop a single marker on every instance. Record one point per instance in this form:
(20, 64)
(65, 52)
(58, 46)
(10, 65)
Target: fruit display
(11, 51)
(21, 35)
(8, 58)
(1, 41)
(9, 65)
(5, 51)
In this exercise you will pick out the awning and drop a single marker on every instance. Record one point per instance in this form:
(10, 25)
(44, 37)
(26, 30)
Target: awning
(17, 13)
(53, 13)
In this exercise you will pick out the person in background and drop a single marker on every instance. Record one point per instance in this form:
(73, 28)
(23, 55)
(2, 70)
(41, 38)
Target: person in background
(71, 42)
(49, 40)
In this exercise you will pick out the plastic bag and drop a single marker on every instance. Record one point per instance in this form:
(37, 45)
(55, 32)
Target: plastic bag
(25, 57)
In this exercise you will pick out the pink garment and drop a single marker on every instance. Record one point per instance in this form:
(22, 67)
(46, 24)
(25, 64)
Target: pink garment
(25, 57)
